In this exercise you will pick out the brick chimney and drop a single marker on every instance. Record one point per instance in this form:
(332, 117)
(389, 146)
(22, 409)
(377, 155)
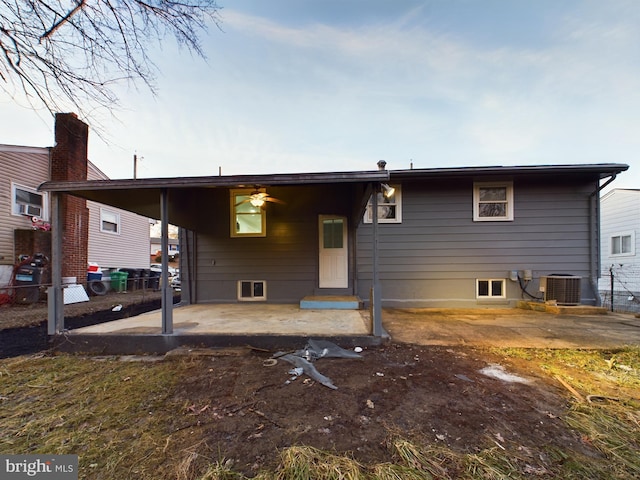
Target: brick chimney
(69, 162)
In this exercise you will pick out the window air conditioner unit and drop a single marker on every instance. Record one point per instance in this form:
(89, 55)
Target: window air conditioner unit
(31, 210)
(564, 289)
(252, 290)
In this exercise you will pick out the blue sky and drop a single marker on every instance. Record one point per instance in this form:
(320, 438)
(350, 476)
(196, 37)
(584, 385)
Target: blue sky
(307, 86)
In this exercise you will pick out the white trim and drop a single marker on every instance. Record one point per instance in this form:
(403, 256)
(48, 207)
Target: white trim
(631, 235)
(252, 298)
(115, 216)
(21, 149)
(508, 201)
(15, 206)
(397, 194)
(490, 296)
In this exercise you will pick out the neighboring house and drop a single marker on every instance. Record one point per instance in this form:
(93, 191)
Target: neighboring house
(23, 169)
(156, 247)
(446, 237)
(116, 238)
(620, 231)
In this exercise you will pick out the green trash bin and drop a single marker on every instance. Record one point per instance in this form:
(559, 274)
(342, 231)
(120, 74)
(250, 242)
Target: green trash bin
(119, 281)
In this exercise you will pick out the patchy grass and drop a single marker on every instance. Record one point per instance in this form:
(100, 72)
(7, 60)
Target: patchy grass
(119, 417)
(104, 411)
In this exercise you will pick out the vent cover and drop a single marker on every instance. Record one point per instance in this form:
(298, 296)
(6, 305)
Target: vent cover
(564, 289)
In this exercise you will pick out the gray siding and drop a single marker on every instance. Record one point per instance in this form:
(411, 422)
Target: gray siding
(435, 255)
(287, 258)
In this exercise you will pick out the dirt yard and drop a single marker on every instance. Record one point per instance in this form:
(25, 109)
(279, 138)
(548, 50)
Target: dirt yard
(247, 411)
(23, 328)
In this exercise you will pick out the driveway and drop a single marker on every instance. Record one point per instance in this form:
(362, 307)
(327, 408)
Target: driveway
(511, 328)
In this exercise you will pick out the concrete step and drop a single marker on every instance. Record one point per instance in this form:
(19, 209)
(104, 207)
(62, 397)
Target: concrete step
(331, 302)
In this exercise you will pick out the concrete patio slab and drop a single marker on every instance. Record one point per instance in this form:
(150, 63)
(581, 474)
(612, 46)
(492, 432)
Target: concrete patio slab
(511, 328)
(271, 319)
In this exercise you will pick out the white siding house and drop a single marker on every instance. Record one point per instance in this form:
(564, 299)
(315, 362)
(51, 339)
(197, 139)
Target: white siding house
(620, 250)
(117, 238)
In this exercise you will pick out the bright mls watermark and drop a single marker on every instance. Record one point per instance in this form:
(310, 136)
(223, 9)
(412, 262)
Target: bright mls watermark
(50, 467)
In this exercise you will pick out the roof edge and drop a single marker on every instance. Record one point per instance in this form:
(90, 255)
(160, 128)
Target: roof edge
(218, 181)
(604, 169)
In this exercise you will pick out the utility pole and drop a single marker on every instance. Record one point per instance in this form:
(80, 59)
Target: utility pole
(135, 166)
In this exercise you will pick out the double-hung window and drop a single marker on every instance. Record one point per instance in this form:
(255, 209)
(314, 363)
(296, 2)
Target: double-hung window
(492, 201)
(109, 221)
(389, 205)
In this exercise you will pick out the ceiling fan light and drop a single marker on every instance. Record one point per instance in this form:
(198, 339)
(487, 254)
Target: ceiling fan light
(256, 201)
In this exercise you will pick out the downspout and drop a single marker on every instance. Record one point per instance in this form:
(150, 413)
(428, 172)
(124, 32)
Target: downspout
(594, 237)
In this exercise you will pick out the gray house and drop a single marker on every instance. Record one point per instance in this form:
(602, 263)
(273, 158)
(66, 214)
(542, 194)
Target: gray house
(454, 237)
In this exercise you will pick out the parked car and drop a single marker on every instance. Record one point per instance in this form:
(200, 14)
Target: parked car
(175, 282)
(157, 267)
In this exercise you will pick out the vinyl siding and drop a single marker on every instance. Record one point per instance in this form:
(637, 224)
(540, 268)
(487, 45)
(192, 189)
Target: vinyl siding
(620, 214)
(287, 258)
(435, 255)
(26, 166)
(129, 248)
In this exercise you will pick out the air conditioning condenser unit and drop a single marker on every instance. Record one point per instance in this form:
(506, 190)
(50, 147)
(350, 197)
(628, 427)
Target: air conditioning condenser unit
(564, 289)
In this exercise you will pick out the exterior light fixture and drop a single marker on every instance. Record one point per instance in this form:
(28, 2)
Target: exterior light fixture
(387, 190)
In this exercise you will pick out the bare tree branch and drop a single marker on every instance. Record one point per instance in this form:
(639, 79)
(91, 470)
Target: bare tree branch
(59, 23)
(69, 54)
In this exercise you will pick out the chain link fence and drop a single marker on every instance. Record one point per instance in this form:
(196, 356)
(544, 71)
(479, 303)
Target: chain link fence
(619, 288)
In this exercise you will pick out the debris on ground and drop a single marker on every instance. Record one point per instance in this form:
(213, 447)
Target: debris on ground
(314, 350)
(498, 371)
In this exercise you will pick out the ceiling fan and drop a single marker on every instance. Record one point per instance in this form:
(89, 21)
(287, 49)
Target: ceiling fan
(258, 198)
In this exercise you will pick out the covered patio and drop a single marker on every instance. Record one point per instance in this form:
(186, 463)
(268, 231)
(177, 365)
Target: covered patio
(201, 321)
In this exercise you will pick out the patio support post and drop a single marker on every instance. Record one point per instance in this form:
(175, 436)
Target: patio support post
(55, 300)
(377, 301)
(167, 290)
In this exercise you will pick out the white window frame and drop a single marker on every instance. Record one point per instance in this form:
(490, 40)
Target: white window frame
(632, 242)
(233, 194)
(15, 205)
(113, 215)
(252, 298)
(477, 186)
(503, 281)
(382, 201)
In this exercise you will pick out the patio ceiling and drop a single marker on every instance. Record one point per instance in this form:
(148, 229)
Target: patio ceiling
(142, 196)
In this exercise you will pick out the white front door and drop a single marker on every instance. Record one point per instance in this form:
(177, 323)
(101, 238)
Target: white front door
(334, 257)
